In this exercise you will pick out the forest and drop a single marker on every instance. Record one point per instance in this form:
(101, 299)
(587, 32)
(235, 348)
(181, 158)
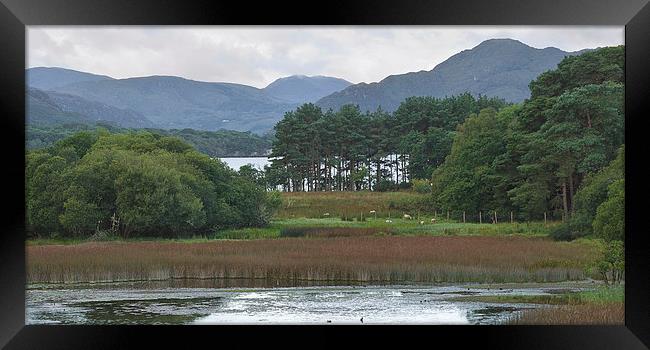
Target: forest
(136, 184)
(220, 143)
(559, 154)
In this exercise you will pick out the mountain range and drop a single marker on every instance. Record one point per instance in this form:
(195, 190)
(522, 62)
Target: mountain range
(497, 67)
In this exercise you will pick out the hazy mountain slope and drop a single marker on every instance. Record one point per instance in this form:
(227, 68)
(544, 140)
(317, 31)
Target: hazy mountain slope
(173, 102)
(46, 78)
(303, 89)
(496, 67)
(55, 108)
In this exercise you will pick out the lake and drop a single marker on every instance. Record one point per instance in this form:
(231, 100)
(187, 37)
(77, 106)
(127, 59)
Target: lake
(260, 162)
(238, 162)
(200, 303)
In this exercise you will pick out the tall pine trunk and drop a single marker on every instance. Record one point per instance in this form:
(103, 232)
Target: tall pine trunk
(564, 200)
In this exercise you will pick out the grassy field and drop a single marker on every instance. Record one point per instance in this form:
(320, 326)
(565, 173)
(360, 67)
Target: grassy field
(302, 243)
(352, 204)
(338, 227)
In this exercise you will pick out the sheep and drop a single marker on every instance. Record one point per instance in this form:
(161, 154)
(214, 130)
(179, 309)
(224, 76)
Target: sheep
(433, 221)
(389, 221)
(421, 222)
(373, 212)
(407, 216)
(326, 214)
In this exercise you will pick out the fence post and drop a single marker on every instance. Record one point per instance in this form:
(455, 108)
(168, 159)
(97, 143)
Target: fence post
(512, 218)
(447, 214)
(544, 218)
(480, 218)
(496, 218)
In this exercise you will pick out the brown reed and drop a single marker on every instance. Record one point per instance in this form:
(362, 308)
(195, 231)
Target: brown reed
(583, 314)
(391, 258)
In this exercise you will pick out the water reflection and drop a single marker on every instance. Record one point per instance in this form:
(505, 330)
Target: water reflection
(252, 302)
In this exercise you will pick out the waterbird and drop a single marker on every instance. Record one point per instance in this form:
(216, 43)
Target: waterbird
(361, 319)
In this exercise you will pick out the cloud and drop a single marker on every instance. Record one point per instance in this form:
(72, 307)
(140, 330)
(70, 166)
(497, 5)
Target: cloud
(256, 55)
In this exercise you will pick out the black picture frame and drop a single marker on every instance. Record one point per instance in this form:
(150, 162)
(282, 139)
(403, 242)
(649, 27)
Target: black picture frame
(16, 14)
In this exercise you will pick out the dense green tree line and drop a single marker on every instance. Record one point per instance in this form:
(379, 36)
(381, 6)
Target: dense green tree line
(221, 143)
(135, 184)
(317, 150)
(560, 152)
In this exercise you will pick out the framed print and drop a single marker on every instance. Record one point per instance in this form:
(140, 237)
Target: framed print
(181, 171)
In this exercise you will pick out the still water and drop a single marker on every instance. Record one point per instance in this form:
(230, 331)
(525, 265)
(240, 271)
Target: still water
(237, 162)
(164, 303)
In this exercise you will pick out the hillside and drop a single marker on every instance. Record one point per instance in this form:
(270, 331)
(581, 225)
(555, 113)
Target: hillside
(173, 102)
(495, 68)
(167, 101)
(303, 89)
(51, 108)
(47, 78)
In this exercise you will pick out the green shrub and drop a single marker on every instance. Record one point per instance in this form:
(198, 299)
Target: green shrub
(421, 186)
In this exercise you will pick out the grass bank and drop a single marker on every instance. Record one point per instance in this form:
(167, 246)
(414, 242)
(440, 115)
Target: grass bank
(486, 259)
(600, 295)
(397, 227)
(338, 227)
(602, 306)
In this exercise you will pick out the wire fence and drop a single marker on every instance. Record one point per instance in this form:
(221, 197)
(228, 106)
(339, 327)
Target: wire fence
(494, 216)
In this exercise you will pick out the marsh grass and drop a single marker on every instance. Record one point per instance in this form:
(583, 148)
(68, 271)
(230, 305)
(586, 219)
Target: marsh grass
(585, 314)
(487, 259)
(603, 306)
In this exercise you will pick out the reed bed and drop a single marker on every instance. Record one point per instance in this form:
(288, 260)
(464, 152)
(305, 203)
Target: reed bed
(391, 259)
(587, 314)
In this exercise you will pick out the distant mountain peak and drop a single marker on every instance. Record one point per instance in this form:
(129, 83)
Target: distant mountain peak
(500, 67)
(301, 88)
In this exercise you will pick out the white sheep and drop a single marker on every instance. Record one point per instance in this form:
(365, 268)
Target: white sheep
(389, 221)
(326, 214)
(421, 222)
(372, 212)
(433, 221)
(407, 216)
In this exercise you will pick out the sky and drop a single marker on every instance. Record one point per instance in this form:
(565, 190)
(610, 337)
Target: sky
(258, 55)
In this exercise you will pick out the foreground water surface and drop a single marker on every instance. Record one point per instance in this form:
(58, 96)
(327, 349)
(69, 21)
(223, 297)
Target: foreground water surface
(171, 303)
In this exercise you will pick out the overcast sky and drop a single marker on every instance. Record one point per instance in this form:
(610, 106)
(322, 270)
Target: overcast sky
(258, 55)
